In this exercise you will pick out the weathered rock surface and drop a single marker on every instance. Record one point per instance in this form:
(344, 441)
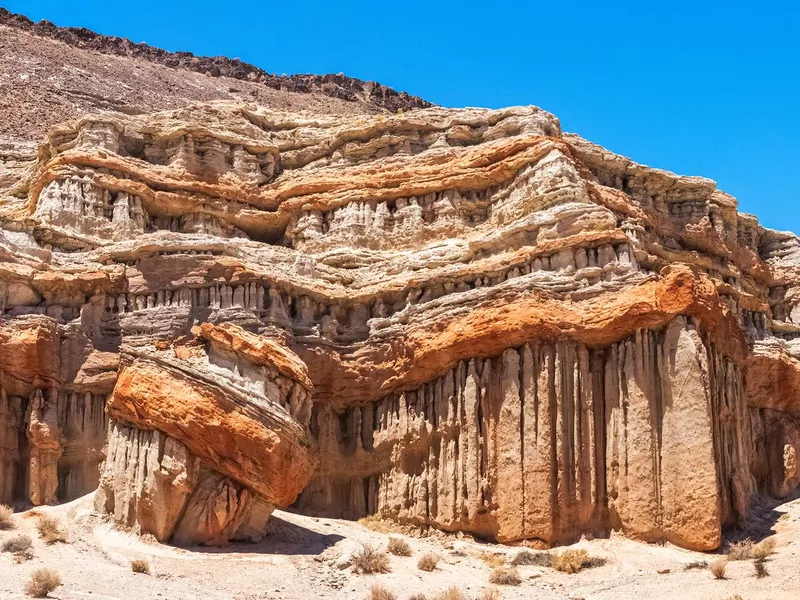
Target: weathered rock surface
(466, 318)
(200, 433)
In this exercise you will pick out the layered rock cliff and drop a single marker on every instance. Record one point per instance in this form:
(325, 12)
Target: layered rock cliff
(464, 318)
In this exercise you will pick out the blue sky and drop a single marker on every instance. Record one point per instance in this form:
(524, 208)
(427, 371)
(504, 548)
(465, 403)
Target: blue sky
(701, 88)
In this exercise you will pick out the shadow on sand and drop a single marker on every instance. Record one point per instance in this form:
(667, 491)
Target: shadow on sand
(283, 537)
(764, 513)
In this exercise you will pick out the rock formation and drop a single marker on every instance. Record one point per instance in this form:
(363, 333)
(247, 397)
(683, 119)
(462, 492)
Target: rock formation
(205, 437)
(465, 318)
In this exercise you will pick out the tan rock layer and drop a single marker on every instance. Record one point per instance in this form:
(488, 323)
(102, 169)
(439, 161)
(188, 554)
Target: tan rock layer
(423, 351)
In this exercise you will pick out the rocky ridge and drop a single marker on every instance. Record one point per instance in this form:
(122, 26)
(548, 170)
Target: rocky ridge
(50, 74)
(466, 319)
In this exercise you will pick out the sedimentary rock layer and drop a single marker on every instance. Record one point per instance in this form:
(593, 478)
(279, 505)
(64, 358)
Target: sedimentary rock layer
(467, 318)
(198, 440)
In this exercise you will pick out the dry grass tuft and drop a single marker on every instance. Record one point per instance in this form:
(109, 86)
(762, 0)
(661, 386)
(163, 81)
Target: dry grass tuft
(718, 567)
(761, 568)
(763, 549)
(539, 559)
(570, 561)
(49, 529)
(42, 582)
(22, 556)
(399, 547)
(428, 562)
(740, 550)
(452, 593)
(375, 523)
(378, 592)
(489, 594)
(493, 559)
(505, 576)
(370, 560)
(140, 565)
(5, 517)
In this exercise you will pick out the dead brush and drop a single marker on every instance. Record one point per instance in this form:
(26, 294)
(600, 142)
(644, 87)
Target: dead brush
(718, 567)
(763, 549)
(140, 565)
(742, 550)
(760, 568)
(538, 559)
(49, 529)
(452, 593)
(370, 560)
(399, 547)
(427, 562)
(570, 561)
(6, 521)
(489, 594)
(493, 559)
(375, 523)
(379, 592)
(19, 543)
(505, 576)
(42, 582)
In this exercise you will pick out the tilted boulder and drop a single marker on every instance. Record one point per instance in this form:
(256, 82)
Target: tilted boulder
(206, 436)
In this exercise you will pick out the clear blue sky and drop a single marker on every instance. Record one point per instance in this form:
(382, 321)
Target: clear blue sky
(701, 88)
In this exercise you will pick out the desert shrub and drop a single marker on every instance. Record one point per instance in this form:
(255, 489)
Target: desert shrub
(763, 549)
(42, 582)
(399, 547)
(718, 567)
(740, 550)
(19, 543)
(539, 559)
(452, 593)
(761, 568)
(697, 564)
(5, 517)
(140, 565)
(570, 561)
(593, 562)
(505, 576)
(378, 592)
(428, 562)
(50, 530)
(370, 560)
(374, 522)
(493, 559)
(489, 594)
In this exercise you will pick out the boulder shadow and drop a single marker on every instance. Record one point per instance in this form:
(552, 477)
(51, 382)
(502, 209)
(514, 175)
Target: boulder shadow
(283, 537)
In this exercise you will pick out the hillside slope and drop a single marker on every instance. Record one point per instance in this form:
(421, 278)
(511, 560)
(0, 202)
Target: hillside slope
(49, 74)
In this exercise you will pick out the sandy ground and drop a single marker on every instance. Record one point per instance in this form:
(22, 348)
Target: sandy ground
(302, 558)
